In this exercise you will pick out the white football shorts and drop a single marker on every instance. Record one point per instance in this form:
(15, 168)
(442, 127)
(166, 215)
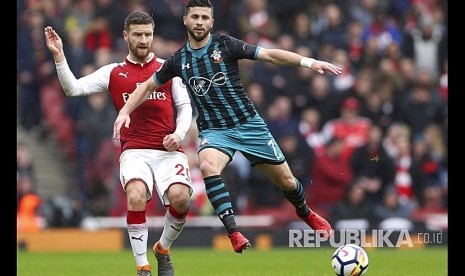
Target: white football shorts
(156, 168)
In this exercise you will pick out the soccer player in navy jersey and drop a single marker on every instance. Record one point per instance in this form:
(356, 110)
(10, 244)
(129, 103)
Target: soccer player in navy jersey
(151, 151)
(227, 120)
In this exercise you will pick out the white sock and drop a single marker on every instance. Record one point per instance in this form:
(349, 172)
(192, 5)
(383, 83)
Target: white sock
(138, 234)
(172, 229)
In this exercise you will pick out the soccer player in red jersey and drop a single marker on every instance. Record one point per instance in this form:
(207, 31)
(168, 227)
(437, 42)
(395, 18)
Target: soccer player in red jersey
(151, 151)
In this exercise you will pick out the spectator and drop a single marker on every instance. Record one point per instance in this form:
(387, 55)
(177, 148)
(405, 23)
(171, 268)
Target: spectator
(350, 127)
(330, 176)
(390, 207)
(299, 83)
(267, 75)
(310, 129)
(335, 31)
(256, 24)
(92, 128)
(227, 11)
(430, 167)
(353, 211)
(373, 166)
(354, 43)
(370, 57)
(98, 35)
(323, 98)
(96, 121)
(383, 31)
(422, 108)
(28, 79)
(79, 59)
(288, 11)
(408, 178)
(302, 31)
(80, 14)
(389, 214)
(28, 201)
(423, 42)
(363, 85)
(379, 108)
(27, 218)
(436, 140)
(280, 119)
(263, 194)
(394, 134)
(257, 95)
(114, 14)
(298, 155)
(432, 212)
(168, 15)
(363, 11)
(345, 81)
(25, 173)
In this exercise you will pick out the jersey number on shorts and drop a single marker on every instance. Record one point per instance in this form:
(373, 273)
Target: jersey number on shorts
(183, 171)
(274, 146)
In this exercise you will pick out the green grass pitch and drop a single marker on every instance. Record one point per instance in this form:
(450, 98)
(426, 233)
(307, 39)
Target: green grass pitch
(206, 261)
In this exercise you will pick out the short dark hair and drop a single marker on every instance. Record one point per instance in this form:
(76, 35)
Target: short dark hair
(197, 3)
(138, 18)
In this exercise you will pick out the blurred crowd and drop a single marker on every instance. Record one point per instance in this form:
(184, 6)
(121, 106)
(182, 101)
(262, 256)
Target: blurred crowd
(370, 143)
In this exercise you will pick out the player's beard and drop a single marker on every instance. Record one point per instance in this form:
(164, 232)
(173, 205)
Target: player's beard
(200, 37)
(139, 53)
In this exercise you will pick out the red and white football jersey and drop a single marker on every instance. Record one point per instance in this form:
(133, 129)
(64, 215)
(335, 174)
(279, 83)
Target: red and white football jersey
(153, 119)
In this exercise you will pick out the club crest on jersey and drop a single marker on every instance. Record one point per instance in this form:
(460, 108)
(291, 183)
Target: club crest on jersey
(217, 58)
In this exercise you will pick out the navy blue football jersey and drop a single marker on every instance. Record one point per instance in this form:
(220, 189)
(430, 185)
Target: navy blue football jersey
(212, 77)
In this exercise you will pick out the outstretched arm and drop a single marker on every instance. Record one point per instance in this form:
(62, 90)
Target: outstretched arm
(283, 57)
(136, 98)
(54, 44)
(73, 87)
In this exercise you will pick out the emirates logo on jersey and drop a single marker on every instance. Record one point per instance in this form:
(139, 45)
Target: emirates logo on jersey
(217, 58)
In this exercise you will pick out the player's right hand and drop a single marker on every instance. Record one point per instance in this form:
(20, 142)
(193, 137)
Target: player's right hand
(322, 66)
(53, 41)
(120, 120)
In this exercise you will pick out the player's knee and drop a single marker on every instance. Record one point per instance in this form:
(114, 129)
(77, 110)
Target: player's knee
(288, 183)
(179, 196)
(136, 198)
(136, 193)
(206, 168)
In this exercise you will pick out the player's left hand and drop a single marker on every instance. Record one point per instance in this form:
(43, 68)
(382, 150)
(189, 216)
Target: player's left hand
(320, 67)
(172, 142)
(121, 120)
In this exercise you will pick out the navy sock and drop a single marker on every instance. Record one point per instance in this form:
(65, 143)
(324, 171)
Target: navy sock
(221, 201)
(298, 199)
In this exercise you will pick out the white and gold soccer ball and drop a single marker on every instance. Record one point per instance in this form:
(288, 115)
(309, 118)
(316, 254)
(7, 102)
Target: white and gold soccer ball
(349, 260)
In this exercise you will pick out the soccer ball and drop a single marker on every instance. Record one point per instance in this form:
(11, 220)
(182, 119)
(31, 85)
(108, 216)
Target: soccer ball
(350, 260)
